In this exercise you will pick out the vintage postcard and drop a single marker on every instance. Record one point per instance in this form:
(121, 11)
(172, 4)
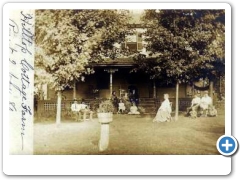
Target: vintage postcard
(147, 80)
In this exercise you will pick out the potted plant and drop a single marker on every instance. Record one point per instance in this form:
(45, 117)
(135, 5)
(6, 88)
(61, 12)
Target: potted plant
(105, 111)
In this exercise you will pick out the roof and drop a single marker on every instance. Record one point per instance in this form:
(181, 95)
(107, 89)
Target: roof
(124, 62)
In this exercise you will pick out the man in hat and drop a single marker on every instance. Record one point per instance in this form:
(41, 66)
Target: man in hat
(205, 103)
(194, 105)
(85, 109)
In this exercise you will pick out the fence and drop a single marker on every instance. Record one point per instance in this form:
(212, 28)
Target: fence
(48, 108)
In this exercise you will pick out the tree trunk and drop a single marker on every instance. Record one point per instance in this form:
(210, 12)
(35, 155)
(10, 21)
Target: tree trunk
(74, 90)
(59, 102)
(177, 105)
(211, 89)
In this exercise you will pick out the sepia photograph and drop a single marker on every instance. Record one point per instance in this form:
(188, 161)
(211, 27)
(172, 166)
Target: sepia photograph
(129, 81)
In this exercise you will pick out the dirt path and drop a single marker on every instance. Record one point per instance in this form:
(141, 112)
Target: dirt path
(131, 135)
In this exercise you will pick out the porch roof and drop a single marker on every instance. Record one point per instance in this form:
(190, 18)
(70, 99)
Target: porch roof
(119, 62)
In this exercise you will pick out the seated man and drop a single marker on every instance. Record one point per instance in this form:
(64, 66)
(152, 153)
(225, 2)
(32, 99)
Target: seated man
(121, 107)
(85, 110)
(194, 105)
(134, 109)
(75, 108)
(205, 103)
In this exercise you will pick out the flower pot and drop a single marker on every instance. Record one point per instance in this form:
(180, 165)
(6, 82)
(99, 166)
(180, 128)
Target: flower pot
(105, 117)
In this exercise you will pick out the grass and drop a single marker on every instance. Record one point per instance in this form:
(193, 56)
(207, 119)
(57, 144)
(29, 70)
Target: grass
(130, 134)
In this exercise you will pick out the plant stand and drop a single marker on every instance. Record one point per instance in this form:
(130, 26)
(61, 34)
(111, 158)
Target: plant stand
(104, 137)
(104, 119)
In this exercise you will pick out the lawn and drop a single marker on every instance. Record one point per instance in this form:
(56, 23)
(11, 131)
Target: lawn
(131, 135)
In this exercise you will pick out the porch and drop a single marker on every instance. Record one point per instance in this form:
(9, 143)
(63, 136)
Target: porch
(47, 108)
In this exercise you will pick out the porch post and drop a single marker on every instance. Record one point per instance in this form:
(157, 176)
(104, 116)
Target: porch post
(111, 71)
(154, 89)
(110, 85)
(177, 105)
(211, 89)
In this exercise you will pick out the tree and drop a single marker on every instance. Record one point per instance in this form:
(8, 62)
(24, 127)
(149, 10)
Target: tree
(184, 45)
(68, 40)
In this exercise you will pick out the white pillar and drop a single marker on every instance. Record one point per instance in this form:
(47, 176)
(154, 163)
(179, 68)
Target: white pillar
(154, 89)
(110, 86)
(211, 89)
(104, 137)
(177, 105)
(59, 104)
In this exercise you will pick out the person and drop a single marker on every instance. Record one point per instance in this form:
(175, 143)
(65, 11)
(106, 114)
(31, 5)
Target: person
(84, 108)
(221, 97)
(212, 112)
(83, 105)
(115, 100)
(75, 108)
(205, 103)
(164, 112)
(136, 99)
(134, 109)
(121, 107)
(133, 96)
(194, 104)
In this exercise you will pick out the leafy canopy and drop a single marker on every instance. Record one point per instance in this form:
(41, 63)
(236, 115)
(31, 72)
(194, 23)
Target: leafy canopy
(184, 45)
(68, 40)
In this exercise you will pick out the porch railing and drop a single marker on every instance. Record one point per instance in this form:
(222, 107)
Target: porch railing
(47, 108)
(183, 103)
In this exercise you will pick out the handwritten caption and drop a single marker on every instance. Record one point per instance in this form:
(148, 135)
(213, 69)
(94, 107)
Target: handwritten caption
(21, 46)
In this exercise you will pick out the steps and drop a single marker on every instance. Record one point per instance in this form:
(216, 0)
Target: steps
(149, 105)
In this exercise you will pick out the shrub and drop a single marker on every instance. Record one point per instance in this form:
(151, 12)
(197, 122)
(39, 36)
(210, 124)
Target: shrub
(105, 107)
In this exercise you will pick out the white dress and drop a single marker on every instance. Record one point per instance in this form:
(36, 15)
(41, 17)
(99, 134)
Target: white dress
(134, 110)
(164, 112)
(205, 102)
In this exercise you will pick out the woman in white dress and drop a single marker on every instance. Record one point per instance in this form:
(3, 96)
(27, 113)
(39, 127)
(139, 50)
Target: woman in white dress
(164, 112)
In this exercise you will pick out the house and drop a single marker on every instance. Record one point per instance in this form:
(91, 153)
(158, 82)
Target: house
(116, 75)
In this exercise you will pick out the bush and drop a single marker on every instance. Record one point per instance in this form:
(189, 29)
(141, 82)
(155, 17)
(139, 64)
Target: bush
(105, 107)
(141, 109)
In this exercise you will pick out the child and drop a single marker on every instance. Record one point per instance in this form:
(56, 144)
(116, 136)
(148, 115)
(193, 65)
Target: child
(121, 107)
(212, 112)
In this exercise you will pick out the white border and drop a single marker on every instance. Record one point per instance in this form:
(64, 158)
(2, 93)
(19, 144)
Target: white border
(114, 164)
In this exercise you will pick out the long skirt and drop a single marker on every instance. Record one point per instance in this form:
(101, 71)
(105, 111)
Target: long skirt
(162, 116)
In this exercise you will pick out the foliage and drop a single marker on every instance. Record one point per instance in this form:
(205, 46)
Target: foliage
(68, 40)
(105, 107)
(184, 45)
(141, 109)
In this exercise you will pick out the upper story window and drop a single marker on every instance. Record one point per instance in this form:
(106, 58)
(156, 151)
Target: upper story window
(134, 42)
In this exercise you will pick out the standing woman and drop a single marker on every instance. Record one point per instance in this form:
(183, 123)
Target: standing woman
(164, 112)
(115, 100)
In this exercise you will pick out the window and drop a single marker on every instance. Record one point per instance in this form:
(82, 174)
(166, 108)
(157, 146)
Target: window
(134, 42)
